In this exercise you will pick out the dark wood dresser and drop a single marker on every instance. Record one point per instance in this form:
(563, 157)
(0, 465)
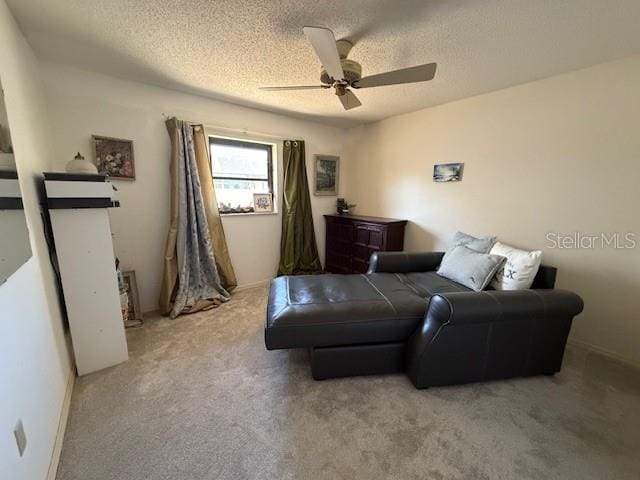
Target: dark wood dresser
(351, 240)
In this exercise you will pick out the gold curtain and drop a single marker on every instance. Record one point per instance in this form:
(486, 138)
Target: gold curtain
(216, 230)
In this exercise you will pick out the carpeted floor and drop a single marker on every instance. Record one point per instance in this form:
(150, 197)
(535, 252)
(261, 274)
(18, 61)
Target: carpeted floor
(201, 398)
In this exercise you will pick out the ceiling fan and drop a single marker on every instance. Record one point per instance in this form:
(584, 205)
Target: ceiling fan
(342, 73)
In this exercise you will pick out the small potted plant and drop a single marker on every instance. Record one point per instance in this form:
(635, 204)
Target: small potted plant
(344, 207)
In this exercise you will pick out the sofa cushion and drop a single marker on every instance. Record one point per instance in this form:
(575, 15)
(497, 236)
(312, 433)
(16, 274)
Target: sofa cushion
(427, 284)
(325, 310)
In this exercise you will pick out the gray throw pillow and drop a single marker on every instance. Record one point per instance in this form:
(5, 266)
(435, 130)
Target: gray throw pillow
(470, 268)
(481, 245)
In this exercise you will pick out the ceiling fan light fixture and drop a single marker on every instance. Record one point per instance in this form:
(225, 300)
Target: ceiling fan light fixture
(341, 89)
(352, 72)
(339, 72)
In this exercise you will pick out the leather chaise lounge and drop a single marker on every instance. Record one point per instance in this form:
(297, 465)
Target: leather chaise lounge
(403, 317)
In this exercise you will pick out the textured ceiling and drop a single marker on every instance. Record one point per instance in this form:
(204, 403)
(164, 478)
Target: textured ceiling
(226, 49)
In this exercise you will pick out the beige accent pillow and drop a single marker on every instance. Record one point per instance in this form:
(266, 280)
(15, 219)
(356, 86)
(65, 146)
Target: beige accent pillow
(519, 269)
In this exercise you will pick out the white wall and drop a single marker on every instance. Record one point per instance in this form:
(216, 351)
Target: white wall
(15, 248)
(83, 103)
(14, 233)
(34, 354)
(556, 155)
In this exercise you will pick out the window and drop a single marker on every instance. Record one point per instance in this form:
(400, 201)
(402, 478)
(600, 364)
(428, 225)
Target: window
(240, 169)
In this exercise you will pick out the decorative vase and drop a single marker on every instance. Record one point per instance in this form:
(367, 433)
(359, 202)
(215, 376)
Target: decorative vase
(80, 165)
(7, 162)
(5, 140)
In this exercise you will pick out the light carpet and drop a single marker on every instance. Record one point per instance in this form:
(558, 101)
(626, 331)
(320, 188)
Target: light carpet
(201, 398)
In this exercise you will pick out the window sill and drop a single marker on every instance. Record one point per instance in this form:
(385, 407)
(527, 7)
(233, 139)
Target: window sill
(249, 214)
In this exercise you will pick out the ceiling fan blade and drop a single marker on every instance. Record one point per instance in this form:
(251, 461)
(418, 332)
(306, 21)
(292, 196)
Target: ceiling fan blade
(324, 43)
(349, 100)
(421, 73)
(294, 87)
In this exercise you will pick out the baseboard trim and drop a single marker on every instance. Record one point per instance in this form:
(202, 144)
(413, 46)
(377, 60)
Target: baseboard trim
(62, 426)
(247, 286)
(604, 352)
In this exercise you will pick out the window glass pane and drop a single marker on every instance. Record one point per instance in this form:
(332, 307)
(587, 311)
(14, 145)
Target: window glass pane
(235, 196)
(239, 170)
(239, 162)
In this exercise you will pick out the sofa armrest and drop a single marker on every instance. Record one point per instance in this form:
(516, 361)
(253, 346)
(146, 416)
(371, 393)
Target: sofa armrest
(459, 308)
(477, 336)
(403, 262)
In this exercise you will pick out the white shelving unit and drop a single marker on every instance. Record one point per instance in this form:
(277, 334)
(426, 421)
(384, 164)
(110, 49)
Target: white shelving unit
(78, 207)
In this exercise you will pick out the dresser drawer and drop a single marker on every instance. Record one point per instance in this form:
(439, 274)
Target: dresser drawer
(340, 231)
(339, 246)
(338, 263)
(371, 235)
(350, 241)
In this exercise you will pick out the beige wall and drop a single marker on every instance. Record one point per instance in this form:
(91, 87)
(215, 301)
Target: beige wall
(34, 357)
(83, 103)
(557, 155)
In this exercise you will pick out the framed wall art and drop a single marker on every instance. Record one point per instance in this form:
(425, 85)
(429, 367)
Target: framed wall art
(327, 173)
(114, 157)
(131, 289)
(447, 172)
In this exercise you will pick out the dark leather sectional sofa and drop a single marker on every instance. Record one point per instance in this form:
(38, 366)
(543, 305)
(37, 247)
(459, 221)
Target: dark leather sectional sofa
(403, 317)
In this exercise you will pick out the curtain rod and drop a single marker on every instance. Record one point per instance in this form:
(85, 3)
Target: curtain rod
(242, 131)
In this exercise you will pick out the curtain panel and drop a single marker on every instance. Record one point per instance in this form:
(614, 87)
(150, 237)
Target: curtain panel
(197, 269)
(298, 249)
